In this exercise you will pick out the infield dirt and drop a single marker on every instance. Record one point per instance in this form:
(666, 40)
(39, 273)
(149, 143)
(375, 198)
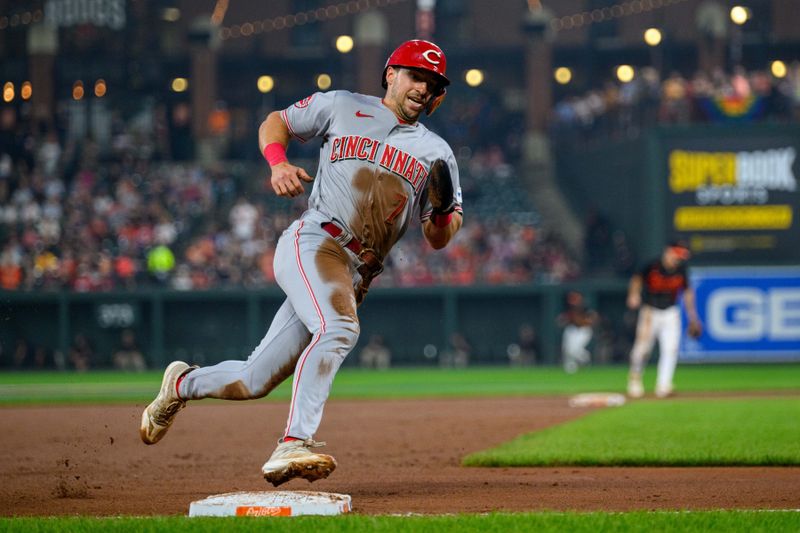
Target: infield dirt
(394, 457)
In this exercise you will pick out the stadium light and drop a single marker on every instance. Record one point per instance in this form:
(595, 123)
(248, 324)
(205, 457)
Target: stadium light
(563, 75)
(324, 82)
(473, 77)
(8, 92)
(344, 43)
(778, 68)
(100, 88)
(170, 14)
(740, 15)
(180, 85)
(77, 90)
(652, 36)
(625, 73)
(265, 84)
(26, 90)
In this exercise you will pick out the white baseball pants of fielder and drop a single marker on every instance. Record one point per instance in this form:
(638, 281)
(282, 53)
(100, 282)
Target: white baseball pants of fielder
(573, 347)
(311, 334)
(664, 324)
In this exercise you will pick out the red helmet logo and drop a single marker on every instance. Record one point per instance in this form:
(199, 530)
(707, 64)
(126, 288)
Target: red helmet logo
(427, 53)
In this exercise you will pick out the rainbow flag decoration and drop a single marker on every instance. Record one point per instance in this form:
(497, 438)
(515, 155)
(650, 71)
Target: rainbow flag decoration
(733, 108)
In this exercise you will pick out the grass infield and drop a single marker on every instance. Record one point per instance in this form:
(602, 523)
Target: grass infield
(748, 432)
(117, 387)
(685, 522)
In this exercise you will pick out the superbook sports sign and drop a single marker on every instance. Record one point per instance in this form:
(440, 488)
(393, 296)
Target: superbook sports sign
(735, 199)
(742, 180)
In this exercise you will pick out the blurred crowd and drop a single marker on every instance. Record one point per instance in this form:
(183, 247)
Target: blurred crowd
(80, 216)
(77, 216)
(483, 252)
(623, 109)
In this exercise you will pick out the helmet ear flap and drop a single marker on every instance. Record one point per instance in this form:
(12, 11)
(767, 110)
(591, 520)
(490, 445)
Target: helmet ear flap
(434, 103)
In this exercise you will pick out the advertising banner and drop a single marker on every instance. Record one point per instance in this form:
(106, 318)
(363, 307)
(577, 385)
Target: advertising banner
(749, 315)
(735, 200)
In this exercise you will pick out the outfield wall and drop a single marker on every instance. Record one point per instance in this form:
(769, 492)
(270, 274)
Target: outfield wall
(750, 314)
(209, 326)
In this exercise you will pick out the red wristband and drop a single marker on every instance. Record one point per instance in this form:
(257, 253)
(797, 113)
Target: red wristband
(275, 154)
(441, 221)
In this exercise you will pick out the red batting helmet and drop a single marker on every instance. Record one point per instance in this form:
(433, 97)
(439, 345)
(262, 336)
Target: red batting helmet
(424, 55)
(680, 248)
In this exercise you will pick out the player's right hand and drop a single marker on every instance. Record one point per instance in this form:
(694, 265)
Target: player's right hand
(286, 179)
(634, 301)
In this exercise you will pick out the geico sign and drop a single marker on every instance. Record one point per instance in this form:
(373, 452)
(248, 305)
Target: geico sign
(750, 314)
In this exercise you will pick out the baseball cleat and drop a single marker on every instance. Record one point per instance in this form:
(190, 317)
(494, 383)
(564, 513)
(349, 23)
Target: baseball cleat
(664, 391)
(293, 459)
(158, 416)
(635, 387)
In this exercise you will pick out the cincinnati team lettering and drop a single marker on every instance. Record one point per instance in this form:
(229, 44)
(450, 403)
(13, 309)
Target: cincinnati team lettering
(390, 158)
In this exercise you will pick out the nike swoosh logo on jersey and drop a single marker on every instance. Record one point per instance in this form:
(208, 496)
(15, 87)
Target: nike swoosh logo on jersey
(363, 115)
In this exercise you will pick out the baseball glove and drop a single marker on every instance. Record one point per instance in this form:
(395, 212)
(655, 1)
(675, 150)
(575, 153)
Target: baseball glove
(695, 329)
(440, 189)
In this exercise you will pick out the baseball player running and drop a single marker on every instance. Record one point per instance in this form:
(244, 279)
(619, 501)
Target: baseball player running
(655, 291)
(378, 166)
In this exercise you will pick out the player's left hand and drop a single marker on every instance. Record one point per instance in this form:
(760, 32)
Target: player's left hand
(695, 329)
(440, 188)
(286, 179)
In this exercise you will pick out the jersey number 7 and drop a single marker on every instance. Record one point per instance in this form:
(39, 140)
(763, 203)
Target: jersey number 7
(402, 199)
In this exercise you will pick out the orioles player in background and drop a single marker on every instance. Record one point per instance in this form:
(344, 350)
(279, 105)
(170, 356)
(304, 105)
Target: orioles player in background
(655, 292)
(378, 167)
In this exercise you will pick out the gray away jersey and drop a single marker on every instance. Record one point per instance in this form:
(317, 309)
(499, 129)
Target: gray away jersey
(373, 169)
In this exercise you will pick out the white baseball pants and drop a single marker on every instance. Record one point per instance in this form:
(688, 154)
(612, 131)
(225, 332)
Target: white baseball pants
(573, 346)
(311, 334)
(664, 324)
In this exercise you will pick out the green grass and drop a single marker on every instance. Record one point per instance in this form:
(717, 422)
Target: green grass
(685, 522)
(117, 387)
(755, 431)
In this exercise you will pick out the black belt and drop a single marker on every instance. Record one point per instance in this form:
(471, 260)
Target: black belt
(371, 265)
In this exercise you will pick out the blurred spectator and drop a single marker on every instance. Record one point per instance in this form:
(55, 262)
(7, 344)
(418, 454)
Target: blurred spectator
(23, 353)
(81, 353)
(675, 103)
(182, 280)
(49, 155)
(125, 270)
(624, 109)
(10, 267)
(524, 352)
(243, 217)
(41, 358)
(578, 322)
(457, 354)
(160, 262)
(128, 356)
(375, 354)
